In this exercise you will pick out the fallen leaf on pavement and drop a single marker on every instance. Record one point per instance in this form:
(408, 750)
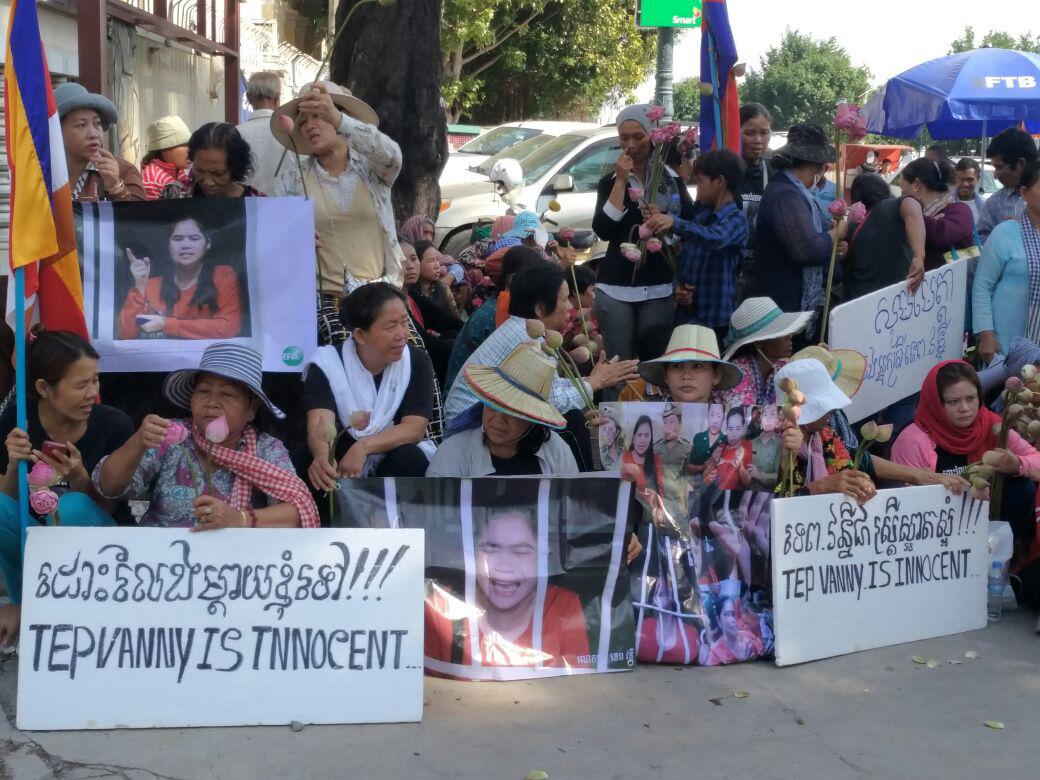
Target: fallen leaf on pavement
(972, 654)
(919, 660)
(994, 724)
(741, 694)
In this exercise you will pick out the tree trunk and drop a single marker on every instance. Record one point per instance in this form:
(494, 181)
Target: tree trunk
(390, 57)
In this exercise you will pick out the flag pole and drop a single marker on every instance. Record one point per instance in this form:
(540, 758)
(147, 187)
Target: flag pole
(720, 142)
(21, 410)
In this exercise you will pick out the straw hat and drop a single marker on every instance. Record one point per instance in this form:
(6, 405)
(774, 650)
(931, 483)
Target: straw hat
(847, 367)
(231, 361)
(822, 396)
(690, 343)
(519, 386)
(342, 98)
(166, 133)
(760, 319)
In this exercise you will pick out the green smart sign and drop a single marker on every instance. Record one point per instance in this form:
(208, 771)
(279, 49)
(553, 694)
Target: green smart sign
(668, 13)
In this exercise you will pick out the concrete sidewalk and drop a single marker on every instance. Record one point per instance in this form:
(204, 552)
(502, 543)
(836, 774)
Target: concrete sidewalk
(871, 714)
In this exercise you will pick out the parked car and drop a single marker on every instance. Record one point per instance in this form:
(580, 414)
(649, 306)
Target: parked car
(497, 140)
(566, 169)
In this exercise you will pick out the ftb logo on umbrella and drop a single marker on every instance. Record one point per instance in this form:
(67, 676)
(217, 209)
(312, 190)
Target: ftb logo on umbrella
(1011, 82)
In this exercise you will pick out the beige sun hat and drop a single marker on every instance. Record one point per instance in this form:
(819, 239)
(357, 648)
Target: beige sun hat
(690, 344)
(519, 386)
(342, 98)
(166, 133)
(760, 319)
(847, 367)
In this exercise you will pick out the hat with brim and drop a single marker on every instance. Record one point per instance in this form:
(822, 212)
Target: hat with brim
(690, 344)
(167, 133)
(231, 361)
(760, 319)
(70, 97)
(519, 386)
(847, 367)
(341, 98)
(808, 143)
(822, 396)
(526, 224)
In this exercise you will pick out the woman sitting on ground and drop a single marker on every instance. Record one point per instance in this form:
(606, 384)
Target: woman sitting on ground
(511, 431)
(690, 368)
(214, 469)
(759, 343)
(68, 433)
(377, 387)
(433, 296)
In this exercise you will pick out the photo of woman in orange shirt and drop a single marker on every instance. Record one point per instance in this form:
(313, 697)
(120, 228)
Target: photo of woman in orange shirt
(191, 297)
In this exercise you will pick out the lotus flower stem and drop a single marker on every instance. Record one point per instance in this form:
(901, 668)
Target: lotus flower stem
(581, 310)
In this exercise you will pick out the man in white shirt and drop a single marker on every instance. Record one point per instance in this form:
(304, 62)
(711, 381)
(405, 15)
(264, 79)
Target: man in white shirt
(263, 92)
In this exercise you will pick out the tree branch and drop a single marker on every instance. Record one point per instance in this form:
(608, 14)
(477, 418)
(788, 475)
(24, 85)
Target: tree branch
(466, 59)
(486, 65)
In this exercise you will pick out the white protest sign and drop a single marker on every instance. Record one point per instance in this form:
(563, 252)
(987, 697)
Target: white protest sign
(901, 335)
(142, 628)
(163, 280)
(908, 565)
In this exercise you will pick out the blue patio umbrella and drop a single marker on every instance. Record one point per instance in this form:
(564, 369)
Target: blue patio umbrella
(969, 95)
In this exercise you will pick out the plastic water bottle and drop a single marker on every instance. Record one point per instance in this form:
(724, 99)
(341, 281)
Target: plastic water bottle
(995, 591)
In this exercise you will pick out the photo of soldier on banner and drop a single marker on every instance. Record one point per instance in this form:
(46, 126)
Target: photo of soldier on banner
(163, 280)
(704, 477)
(524, 576)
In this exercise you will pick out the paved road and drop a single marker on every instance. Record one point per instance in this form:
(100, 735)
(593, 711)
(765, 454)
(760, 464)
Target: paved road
(872, 714)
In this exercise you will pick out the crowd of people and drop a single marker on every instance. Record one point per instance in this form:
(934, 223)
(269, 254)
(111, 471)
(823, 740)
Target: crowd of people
(432, 365)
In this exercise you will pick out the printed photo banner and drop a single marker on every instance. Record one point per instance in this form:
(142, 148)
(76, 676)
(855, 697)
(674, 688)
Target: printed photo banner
(704, 477)
(163, 280)
(901, 335)
(525, 577)
(910, 564)
(146, 628)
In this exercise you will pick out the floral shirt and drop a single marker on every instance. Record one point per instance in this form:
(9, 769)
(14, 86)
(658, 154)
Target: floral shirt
(752, 390)
(166, 476)
(835, 456)
(375, 161)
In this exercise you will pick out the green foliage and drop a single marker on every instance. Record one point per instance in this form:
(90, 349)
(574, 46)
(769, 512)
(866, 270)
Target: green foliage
(686, 100)
(996, 40)
(802, 80)
(549, 58)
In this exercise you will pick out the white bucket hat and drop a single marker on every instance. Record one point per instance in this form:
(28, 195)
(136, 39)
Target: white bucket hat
(822, 396)
(760, 319)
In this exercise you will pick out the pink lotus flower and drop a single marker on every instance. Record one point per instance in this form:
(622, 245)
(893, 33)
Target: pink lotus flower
(43, 502)
(655, 114)
(859, 130)
(858, 212)
(567, 234)
(645, 233)
(630, 472)
(42, 475)
(286, 123)
(359, 420)
(635, 193)
(659, 136)
(631, 252)
(478, 302)
(837, 208)
(218, 431)
(653, 245)
(175, 434)
(673, 129)
(692, 135)
(845, 116)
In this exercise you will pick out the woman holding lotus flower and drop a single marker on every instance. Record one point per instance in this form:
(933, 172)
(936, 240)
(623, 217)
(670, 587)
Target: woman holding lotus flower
(635, 290)
(214, 469)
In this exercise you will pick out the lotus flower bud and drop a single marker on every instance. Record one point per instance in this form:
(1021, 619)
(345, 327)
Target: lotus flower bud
(787, 384)
(1029, 372)
(884, 433)
(655, 113)
(581, 355)
(547, 350)
(791, 413)
(837, 208)
(1014, 383)
(1034, 430)
(286, 123)
(796, 396)
(991, 458)
(217, 431)
(706, 89)
(175, 434)
(635, 193)
(979, 484)
(1025, 397)
(869, 431)
(645, 233)
(630, 252)
(653, 245)
(857, 212)
(535, 329)
(330, 433)
(554, 205)
(553, 339)
(996, 429)
(359, 420)
(43, 475)
(43, 502)
(1015, 410)
(580, 341)
(985, 472)
(630, 472)
(594, 348)
(1022, 427)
